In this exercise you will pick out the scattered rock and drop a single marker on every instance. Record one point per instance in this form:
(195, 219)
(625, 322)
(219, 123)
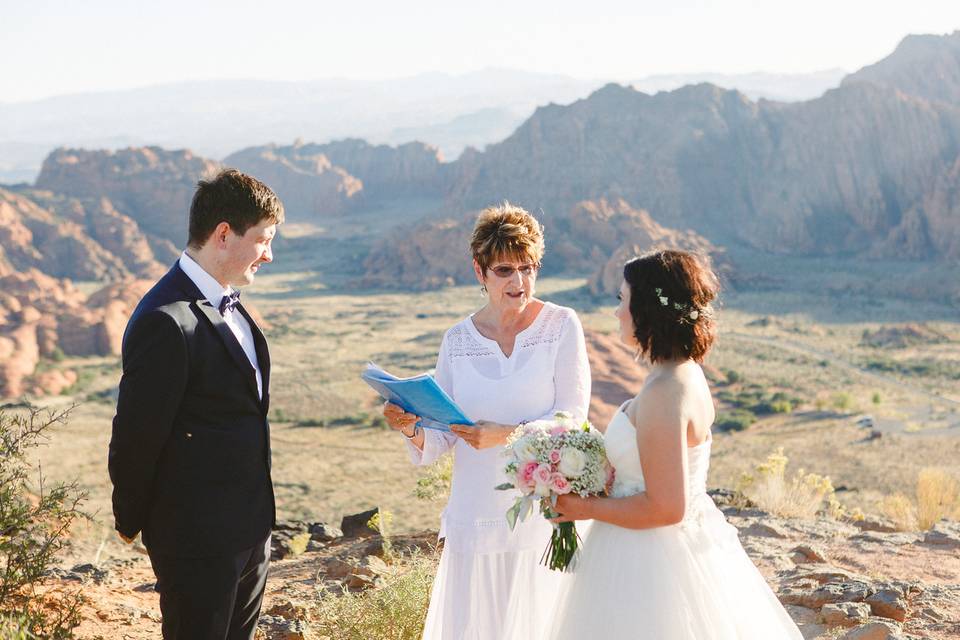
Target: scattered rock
(357, 525)
(766, 529)
(322, 532)
(888, 603)
(871, 523)
(874, 630)
(844, 614)
(360, 581)
(945, 534)
(289, 610)
(805, 553)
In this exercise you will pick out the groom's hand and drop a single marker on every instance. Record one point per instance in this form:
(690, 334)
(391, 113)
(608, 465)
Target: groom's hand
(126, 539)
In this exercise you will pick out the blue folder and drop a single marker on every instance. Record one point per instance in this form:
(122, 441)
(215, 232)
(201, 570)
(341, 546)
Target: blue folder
(420, 395)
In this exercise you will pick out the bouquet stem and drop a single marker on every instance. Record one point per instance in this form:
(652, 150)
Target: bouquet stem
(563, 547)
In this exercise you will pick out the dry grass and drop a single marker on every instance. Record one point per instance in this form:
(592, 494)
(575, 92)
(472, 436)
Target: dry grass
(394, 611)
(937, 497)
(802, 495)
(330, 458)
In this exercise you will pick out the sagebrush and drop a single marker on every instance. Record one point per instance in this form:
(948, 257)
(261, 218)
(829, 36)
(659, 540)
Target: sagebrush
(34, 521)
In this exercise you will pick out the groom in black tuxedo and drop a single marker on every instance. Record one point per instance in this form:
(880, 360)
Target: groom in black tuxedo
(190, 449)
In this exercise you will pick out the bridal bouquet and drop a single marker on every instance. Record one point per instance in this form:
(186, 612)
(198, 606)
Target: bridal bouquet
(549, 458)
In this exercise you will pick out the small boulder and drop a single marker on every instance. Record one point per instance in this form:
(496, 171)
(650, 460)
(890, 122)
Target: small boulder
(322, 532)
(874, 630)
(808, 554)
(845, 614)
(944, 534)
(357, 525)
(888, 603)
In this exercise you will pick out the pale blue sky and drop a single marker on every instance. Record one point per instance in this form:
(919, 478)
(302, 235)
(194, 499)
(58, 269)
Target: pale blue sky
(50, 47)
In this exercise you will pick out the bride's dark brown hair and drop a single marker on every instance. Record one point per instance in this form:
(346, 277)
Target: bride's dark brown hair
(670, 302)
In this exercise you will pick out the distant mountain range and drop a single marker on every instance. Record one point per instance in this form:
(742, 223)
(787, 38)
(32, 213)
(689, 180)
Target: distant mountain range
(869, 169)
(217, 117)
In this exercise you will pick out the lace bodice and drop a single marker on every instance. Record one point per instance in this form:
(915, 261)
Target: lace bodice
(547, 371)
(622, 451)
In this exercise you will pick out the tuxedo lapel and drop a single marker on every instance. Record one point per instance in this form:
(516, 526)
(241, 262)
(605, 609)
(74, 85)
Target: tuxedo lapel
(263, 352)
(231, 343)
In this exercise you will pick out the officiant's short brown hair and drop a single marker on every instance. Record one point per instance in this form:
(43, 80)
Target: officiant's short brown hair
(506, 231)
(233, 197)
(670, 302)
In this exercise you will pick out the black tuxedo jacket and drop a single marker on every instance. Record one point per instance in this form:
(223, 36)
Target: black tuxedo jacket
(190, 449)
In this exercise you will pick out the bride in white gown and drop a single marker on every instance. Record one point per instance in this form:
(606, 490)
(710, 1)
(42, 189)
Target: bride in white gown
(660, 560)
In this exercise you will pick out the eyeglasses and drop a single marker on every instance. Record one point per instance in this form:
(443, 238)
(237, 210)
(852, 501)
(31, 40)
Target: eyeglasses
(507, 270)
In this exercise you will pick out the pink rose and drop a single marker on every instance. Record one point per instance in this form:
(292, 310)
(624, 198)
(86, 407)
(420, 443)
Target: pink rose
(542, 474)
(554, 456)
(559, 484)
(526, 472)
(558, 430)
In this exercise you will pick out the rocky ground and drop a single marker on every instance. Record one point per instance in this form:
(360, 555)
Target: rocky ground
(859, 581)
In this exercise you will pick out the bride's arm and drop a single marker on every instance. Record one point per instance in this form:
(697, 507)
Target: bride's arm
(662, 441)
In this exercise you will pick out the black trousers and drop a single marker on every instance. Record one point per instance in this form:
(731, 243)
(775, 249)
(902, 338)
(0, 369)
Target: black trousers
(214, 598)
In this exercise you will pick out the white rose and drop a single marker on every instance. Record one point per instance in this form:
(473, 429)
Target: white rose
(524, 449)
(572, 462)
(541, 489)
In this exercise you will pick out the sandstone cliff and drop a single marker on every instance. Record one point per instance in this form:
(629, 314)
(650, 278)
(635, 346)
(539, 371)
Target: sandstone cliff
(43, 317)
(412, 169)
(867, 169)
(306, 181)
(152, 186)
(937, 56)
(592, 237)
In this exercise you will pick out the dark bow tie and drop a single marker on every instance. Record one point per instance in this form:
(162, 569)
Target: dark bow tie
(229, 302)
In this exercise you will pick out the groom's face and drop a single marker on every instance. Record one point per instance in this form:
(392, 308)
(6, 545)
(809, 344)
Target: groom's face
(245, 253)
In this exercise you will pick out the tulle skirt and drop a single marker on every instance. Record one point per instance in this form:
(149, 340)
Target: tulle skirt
(491, 596)
(690, 581)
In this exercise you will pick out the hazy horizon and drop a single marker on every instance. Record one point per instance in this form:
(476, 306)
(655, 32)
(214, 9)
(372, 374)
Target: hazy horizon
(108, 45)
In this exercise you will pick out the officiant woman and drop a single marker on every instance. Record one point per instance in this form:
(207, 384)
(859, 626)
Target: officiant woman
(516, 359)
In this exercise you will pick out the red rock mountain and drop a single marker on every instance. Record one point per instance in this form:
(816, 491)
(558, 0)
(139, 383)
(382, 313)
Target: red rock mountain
(869, 168)
(152, 186)
(581, 240)
(926, 66)
(333, 178)
(308, 183)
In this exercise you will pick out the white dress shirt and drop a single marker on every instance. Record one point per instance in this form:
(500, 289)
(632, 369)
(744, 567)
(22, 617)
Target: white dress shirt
(214, 293)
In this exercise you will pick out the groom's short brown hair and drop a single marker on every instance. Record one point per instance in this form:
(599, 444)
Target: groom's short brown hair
(233, 197)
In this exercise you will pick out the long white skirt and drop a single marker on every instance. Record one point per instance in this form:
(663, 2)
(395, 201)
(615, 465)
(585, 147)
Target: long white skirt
(691, 581)
(491, 596)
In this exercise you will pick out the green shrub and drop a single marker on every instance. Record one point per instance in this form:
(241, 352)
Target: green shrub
(842, 401)
(435, 482)
(733, 377)
(33, 527)
(394, 611)
(736, 420)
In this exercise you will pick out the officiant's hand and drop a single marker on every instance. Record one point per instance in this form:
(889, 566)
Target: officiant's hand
(572, 507)
(483, 434)
(399, 419)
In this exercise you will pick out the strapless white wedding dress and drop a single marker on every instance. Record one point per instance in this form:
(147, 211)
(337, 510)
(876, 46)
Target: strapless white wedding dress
(688, 581)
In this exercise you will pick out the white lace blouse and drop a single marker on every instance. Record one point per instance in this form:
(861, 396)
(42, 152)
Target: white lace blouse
(547, 372)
